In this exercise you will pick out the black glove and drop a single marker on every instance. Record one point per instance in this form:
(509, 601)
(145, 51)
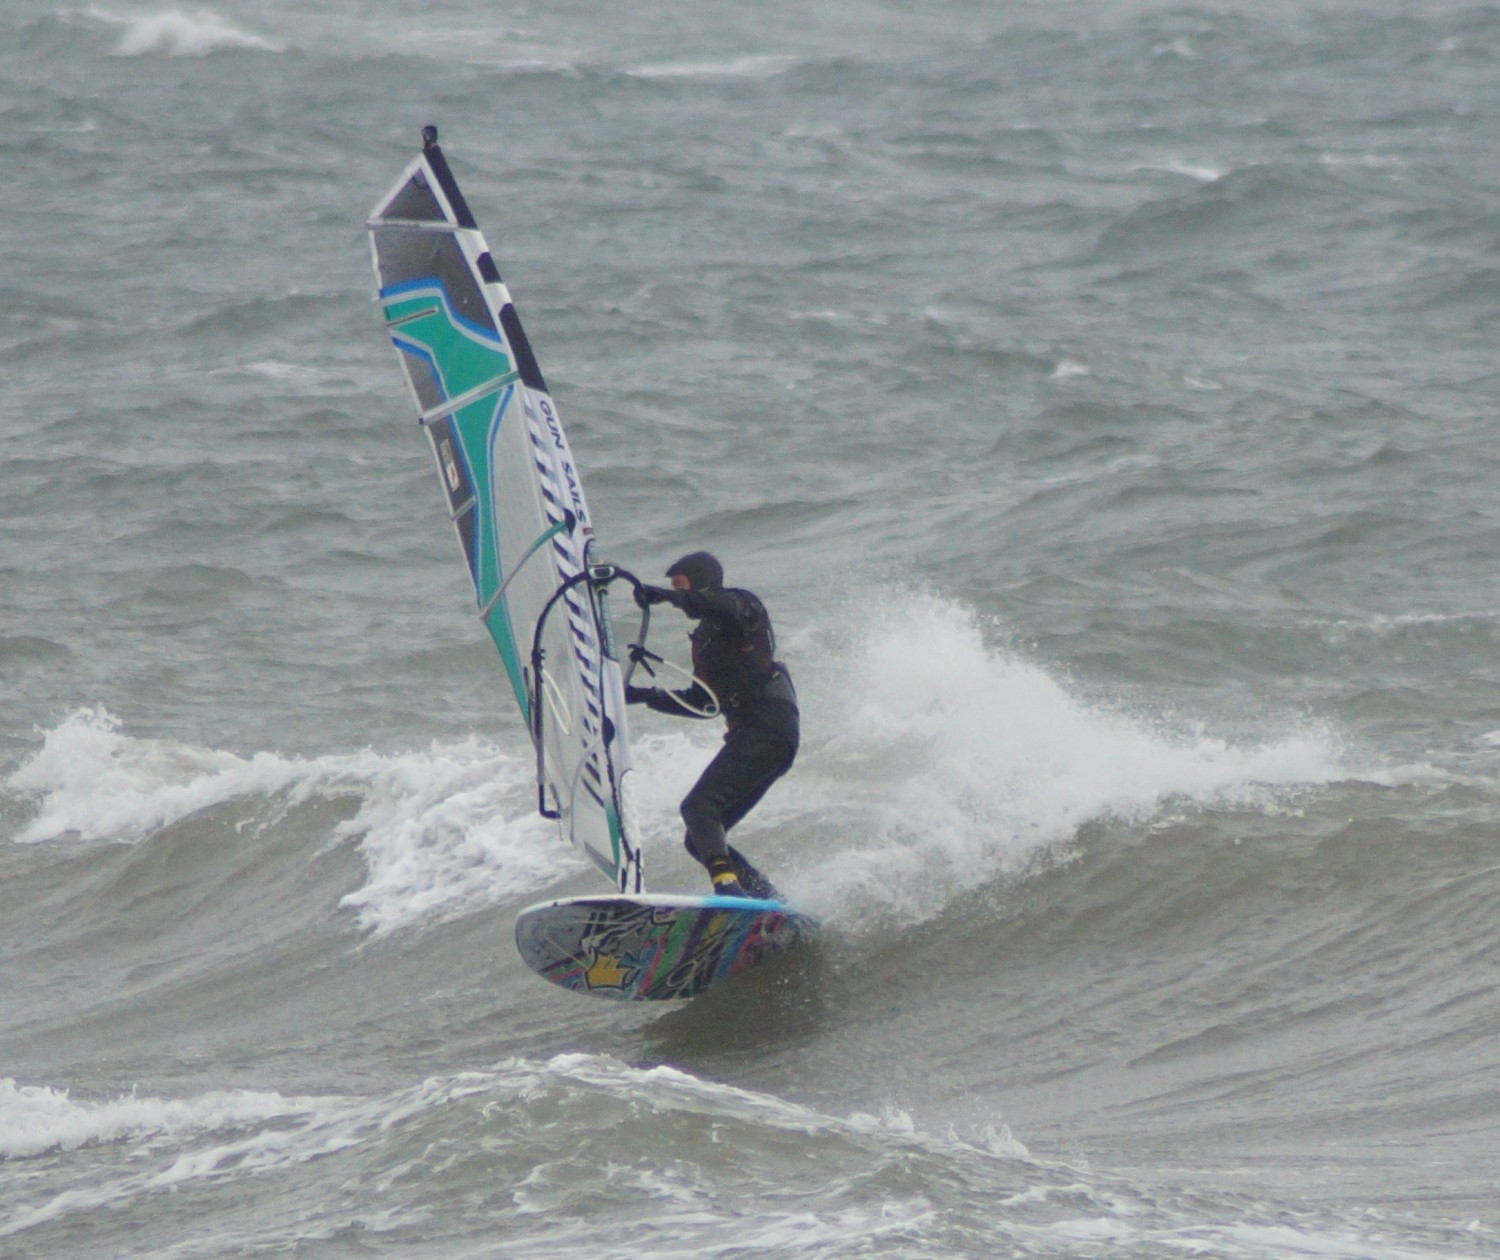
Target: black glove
(638, 695)
(645, 596)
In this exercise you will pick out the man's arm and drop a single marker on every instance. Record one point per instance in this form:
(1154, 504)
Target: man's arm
(725, 607)
(693, 702)
(720, 605)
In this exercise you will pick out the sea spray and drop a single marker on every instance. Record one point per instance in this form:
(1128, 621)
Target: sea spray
(176, 33)
(441, 830)
(949, 761)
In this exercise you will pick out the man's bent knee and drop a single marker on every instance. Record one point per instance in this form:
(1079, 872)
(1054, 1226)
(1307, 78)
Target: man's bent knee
(698, 814)
(705, 837)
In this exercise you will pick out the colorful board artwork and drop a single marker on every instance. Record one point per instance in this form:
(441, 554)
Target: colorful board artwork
(653, 947)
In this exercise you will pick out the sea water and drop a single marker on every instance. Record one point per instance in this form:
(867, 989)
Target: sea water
(1100, 395)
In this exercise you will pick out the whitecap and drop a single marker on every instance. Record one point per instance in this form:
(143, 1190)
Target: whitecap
(180, 33)
(952, 762)
(1193, 170)
(441, 830)
(37, 1119)
(753, 66)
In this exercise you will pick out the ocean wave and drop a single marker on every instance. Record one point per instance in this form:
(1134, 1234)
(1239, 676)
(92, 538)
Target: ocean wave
(1199, 171)
(934, 763)
(213, 1137)
(441, 831)
(37, 1119)
(544, 1134)
(27, 650)
(180, 33)
(952, 762)
(520, 1155)
(749, 67)
(1233, 211)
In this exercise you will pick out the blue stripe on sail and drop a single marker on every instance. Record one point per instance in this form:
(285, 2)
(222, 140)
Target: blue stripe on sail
(418, 351)
(431, 285)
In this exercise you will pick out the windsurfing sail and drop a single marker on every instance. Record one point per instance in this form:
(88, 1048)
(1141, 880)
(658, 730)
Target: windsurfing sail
(514, 497)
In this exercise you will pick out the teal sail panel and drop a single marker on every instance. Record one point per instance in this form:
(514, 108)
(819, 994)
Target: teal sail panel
(514, 497)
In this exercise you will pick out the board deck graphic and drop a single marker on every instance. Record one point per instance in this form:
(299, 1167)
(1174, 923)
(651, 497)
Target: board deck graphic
(653, 947)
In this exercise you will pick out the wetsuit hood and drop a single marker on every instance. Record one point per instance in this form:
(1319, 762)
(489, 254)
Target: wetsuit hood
(701, 569)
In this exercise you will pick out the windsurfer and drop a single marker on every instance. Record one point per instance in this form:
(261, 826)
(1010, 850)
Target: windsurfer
(735, 674)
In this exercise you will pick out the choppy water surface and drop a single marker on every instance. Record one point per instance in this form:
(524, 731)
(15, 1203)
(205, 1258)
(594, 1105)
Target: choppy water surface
(1100, 395)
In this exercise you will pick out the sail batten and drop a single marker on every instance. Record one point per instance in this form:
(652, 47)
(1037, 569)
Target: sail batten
(407, 225)
(514, 499)
(473, 395)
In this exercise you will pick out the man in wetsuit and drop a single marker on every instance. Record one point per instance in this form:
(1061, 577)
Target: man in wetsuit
(733, 663)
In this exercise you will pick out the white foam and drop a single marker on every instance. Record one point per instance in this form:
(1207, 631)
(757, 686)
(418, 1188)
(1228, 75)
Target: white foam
(1193, 170)
(180, 33)
(1180, 47)
(441, 830)
(170, 1145)
(750, 66)
(951, 762)
(1203, 174)
(449, 830)
(174, 1144)
(97, 783)
(216, 1135)
(1380, 624)
(1365, 161)
(666, 1088)
(35, 1119)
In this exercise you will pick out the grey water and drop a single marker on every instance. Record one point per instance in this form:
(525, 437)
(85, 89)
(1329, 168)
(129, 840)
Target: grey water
(1100, 395)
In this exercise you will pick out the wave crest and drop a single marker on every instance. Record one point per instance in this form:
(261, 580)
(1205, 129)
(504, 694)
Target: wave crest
(953, 762)
(441, 830)
(175, 33)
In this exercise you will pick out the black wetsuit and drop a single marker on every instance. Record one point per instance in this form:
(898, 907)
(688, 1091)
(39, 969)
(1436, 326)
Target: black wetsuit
(733, 653)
